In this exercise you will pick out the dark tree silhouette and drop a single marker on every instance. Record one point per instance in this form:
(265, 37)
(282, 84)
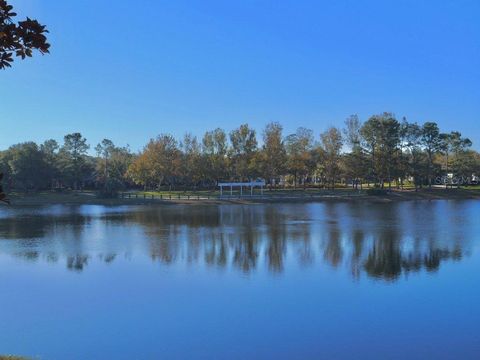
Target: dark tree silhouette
(3, 197)
(19, 39)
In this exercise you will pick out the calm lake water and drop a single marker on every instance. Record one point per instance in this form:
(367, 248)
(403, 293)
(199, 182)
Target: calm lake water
(287, 281)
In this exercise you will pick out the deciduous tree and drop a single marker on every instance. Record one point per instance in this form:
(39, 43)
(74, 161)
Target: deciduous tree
(273, 155)
(354, 162)
(244, 147)
(331, 143)
(158, 163)
(299, 148)
(214, 148)
(192, 162)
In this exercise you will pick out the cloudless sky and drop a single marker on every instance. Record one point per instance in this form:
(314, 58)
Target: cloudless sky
(130, 70)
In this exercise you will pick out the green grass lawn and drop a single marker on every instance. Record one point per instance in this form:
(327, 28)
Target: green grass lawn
(236, 192)
(89, 197)
(140, 197)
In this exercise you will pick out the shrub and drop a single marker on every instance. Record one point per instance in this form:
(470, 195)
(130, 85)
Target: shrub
(377, 192)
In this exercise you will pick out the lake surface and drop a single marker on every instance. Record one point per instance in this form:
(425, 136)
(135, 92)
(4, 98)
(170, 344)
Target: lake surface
(286, 281)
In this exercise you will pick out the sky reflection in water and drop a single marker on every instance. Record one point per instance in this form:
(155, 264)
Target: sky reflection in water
(324, 280)
(380, 240)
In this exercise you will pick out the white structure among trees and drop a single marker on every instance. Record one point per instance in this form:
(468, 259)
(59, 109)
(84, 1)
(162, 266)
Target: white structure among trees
(241, 185)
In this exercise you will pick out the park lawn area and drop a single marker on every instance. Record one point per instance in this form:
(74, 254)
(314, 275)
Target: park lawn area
(52, 197)
(408, 192)
(90, 196)
(246, 191)
(210, 196)
(177, 192)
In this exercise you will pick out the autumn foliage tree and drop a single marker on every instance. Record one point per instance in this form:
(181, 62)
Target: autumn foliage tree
(331, 145)
(214, 151)
(273, 155)
(158, 164)
(299, 147)
(192, 169)
(243, 151)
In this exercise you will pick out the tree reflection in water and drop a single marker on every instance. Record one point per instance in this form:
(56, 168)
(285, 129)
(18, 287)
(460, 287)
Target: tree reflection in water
(379, 240)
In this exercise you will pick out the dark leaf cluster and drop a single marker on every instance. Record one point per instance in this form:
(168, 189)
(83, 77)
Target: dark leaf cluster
(19, 39)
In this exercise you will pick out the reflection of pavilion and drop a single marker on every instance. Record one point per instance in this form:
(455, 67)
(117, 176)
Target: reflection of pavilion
(241, 185)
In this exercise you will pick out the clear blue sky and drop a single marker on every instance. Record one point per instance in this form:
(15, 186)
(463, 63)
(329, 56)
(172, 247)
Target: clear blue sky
(129, 70)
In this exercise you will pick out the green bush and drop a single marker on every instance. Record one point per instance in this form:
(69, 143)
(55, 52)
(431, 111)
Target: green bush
(377, 192)
(111, 189)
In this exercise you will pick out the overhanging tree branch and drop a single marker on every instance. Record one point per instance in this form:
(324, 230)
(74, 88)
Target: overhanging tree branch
(19, 39)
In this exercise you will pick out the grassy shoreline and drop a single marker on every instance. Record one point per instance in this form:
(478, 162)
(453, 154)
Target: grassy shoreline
(140, 198)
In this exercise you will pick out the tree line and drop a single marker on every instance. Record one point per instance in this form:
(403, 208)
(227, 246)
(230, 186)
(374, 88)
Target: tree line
(380, 152)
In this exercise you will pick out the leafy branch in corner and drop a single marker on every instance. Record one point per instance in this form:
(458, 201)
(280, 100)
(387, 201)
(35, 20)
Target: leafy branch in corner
(19, 39)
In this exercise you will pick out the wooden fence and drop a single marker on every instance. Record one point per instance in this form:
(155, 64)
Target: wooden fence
(168, 197)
